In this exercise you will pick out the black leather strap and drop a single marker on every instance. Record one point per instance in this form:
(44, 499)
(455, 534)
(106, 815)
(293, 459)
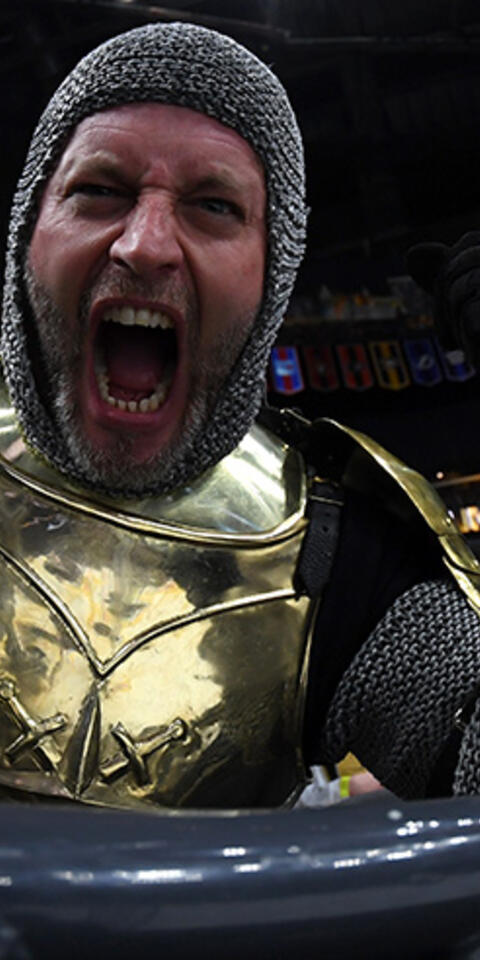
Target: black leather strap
(323, 511)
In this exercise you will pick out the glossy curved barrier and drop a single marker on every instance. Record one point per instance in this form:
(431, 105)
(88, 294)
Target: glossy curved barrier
(374, 878)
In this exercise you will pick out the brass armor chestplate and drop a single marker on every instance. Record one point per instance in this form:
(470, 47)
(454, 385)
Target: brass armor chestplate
(153, 653)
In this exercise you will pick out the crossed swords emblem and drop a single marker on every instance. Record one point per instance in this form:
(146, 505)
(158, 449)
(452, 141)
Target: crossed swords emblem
(133, 754)
(32, 731)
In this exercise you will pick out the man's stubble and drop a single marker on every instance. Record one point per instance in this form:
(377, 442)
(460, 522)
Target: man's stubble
(113, 469)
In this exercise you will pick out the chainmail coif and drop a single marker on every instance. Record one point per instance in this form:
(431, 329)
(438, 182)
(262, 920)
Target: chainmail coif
(395, 705)
(190, 66)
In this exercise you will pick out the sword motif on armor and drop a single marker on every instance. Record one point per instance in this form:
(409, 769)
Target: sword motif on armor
(33, 731)
(135, 752)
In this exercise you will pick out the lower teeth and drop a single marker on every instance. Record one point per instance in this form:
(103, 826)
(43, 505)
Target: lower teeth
(145, 405)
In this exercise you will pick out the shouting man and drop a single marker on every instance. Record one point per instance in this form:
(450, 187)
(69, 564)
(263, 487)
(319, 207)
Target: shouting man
(189, 617)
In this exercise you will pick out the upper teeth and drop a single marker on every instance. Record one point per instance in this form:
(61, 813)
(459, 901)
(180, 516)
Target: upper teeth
(130, 317)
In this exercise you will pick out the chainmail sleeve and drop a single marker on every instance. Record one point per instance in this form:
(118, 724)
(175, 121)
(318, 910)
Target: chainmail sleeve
(395, 705)
(467, 774)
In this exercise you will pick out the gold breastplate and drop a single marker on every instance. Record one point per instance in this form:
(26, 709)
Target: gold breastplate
(152, 654)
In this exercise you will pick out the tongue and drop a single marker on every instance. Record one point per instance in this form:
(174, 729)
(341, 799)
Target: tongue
(134, 363)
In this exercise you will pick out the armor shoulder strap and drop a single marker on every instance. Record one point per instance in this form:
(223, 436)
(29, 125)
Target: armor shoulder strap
(324, 504)
(349, 456)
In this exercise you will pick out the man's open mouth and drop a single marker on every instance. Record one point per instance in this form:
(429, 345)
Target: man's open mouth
(135, 358)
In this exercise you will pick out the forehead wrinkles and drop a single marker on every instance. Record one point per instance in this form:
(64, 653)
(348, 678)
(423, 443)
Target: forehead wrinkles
(144, 133)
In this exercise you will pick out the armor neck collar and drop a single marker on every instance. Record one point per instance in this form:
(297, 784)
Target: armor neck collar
(258, 491)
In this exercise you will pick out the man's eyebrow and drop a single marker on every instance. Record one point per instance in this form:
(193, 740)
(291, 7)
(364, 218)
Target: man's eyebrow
(101, 164)
(224, 179)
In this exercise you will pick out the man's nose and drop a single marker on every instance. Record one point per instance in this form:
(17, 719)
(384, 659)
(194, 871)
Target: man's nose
(149, 239)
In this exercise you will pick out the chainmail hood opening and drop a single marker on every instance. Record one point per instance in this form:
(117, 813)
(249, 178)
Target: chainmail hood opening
(184, 65)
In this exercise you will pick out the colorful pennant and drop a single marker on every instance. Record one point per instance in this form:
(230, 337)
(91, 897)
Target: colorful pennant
(423, 362)
(390, 367)
(321, 369)
(455, 365)
(356, 371)
(286, 371)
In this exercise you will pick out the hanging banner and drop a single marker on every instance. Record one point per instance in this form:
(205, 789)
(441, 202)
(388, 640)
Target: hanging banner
(320, 365)
(455, 365)
(390, 367)
(356, 371)
(286, 371)
(423, 362)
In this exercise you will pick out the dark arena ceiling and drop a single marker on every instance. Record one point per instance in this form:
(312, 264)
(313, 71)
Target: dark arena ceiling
(387, 93)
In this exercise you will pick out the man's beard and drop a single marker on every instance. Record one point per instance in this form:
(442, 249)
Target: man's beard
(113, 470)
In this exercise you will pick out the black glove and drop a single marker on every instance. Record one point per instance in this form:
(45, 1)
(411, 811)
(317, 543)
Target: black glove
(451, 274)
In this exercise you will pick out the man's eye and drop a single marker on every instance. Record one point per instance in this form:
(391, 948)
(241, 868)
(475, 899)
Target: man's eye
(220, 207)
(93, 190)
